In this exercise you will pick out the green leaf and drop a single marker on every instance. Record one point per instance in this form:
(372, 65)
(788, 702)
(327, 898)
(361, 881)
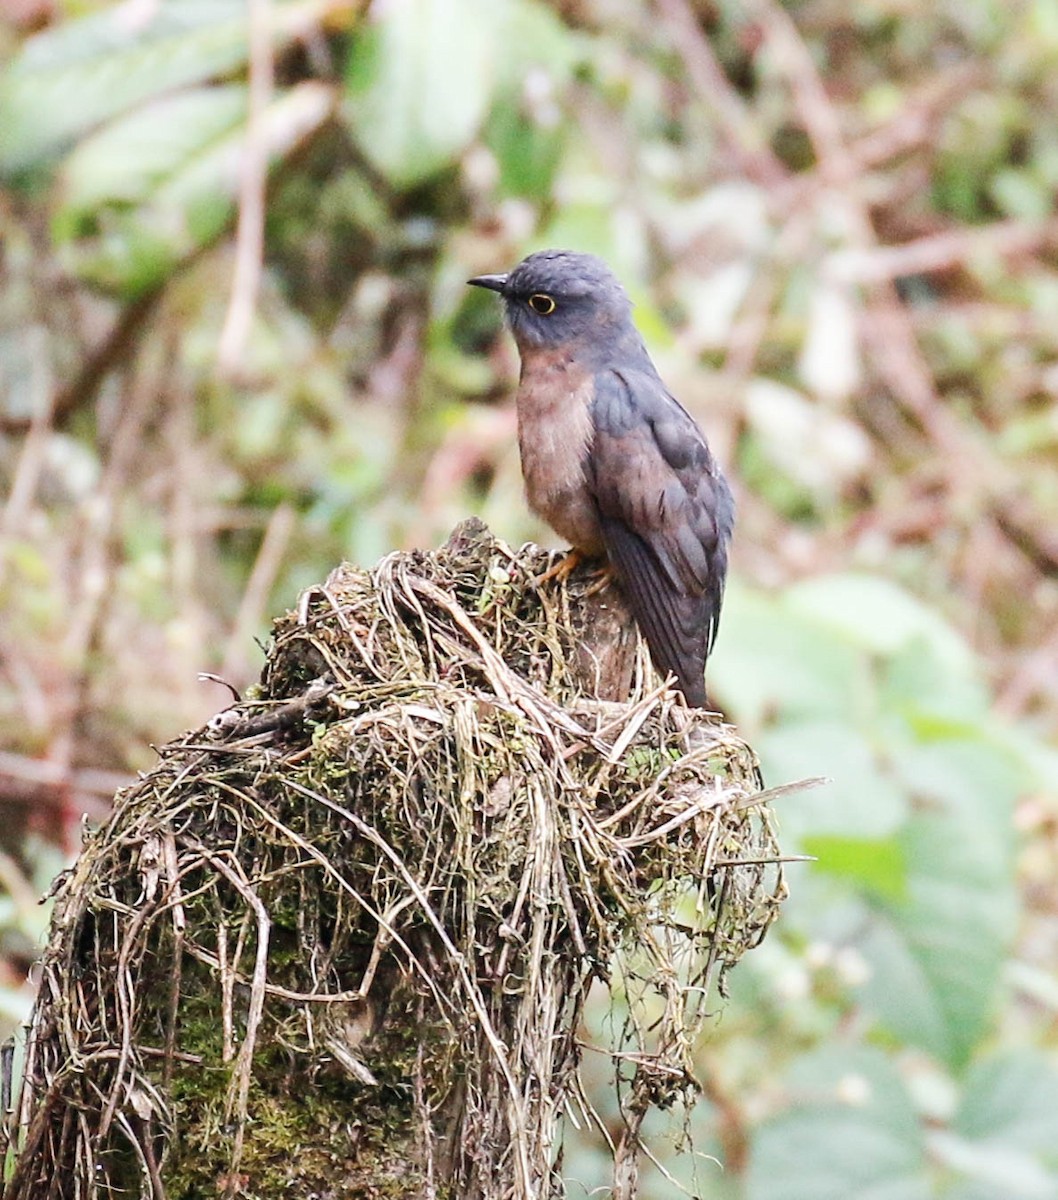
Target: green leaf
(131, 159)
(849, 1131)
(770, 660)
(991, 1171)
(937, 956)
(79, 73)
(527, 151)
(527, 131)
(878, 616)
(864, 800)
(874, 865)
(419, 83)
(1004, 1137)
(933, 697)
(1021, 194)
(1012, 1099)
(150, 189)
(985, 1189)
(535, 36)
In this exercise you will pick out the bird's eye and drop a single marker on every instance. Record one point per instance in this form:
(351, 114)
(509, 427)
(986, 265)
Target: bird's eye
(542, 304)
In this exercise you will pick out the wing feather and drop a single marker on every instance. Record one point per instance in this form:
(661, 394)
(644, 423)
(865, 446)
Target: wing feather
(666, 515)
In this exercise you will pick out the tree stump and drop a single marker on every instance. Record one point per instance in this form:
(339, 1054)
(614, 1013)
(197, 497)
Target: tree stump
(338, 942)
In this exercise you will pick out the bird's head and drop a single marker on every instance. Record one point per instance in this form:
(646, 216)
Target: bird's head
(557, 298)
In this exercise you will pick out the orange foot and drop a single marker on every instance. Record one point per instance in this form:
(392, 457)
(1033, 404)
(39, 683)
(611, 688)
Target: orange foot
(561, 571)
(604, 574)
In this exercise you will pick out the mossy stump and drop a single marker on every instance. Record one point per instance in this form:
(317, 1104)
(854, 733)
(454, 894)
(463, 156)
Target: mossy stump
(337, 943)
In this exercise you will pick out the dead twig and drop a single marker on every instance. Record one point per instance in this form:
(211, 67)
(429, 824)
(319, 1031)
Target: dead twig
(741, 130)
(253, 177)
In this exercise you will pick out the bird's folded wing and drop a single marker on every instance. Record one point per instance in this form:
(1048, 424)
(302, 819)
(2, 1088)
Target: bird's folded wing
(666, 516)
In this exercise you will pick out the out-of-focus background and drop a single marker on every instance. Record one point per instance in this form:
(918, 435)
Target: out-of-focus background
(236, 347)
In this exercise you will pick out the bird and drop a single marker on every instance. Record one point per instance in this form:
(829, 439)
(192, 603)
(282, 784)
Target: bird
(612, 461)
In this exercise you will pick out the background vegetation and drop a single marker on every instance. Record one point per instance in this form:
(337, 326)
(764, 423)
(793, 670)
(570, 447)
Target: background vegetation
(235, 347)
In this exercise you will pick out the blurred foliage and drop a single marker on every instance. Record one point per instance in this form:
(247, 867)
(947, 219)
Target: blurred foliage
(235, 347)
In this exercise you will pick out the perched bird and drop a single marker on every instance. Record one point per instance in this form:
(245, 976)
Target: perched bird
(612, 461)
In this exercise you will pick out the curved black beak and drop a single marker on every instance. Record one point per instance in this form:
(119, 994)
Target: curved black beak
(495, 283)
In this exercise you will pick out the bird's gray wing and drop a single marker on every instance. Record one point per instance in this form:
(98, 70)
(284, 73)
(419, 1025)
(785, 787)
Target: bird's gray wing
(666, 514)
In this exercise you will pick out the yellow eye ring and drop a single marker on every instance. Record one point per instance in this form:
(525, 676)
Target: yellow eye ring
(542, 304)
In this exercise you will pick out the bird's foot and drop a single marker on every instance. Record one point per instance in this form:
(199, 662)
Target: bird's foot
(562, 570)
(602, 575)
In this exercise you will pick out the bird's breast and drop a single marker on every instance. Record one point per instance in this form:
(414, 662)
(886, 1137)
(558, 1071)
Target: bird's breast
(554, 437)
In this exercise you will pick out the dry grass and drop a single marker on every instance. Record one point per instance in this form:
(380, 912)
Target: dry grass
(340, 940)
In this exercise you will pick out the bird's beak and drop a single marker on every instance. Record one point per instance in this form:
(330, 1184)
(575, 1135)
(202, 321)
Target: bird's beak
(495, 283)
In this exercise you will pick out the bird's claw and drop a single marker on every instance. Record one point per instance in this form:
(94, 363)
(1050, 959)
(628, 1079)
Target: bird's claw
(603, 575)
(562, 570)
